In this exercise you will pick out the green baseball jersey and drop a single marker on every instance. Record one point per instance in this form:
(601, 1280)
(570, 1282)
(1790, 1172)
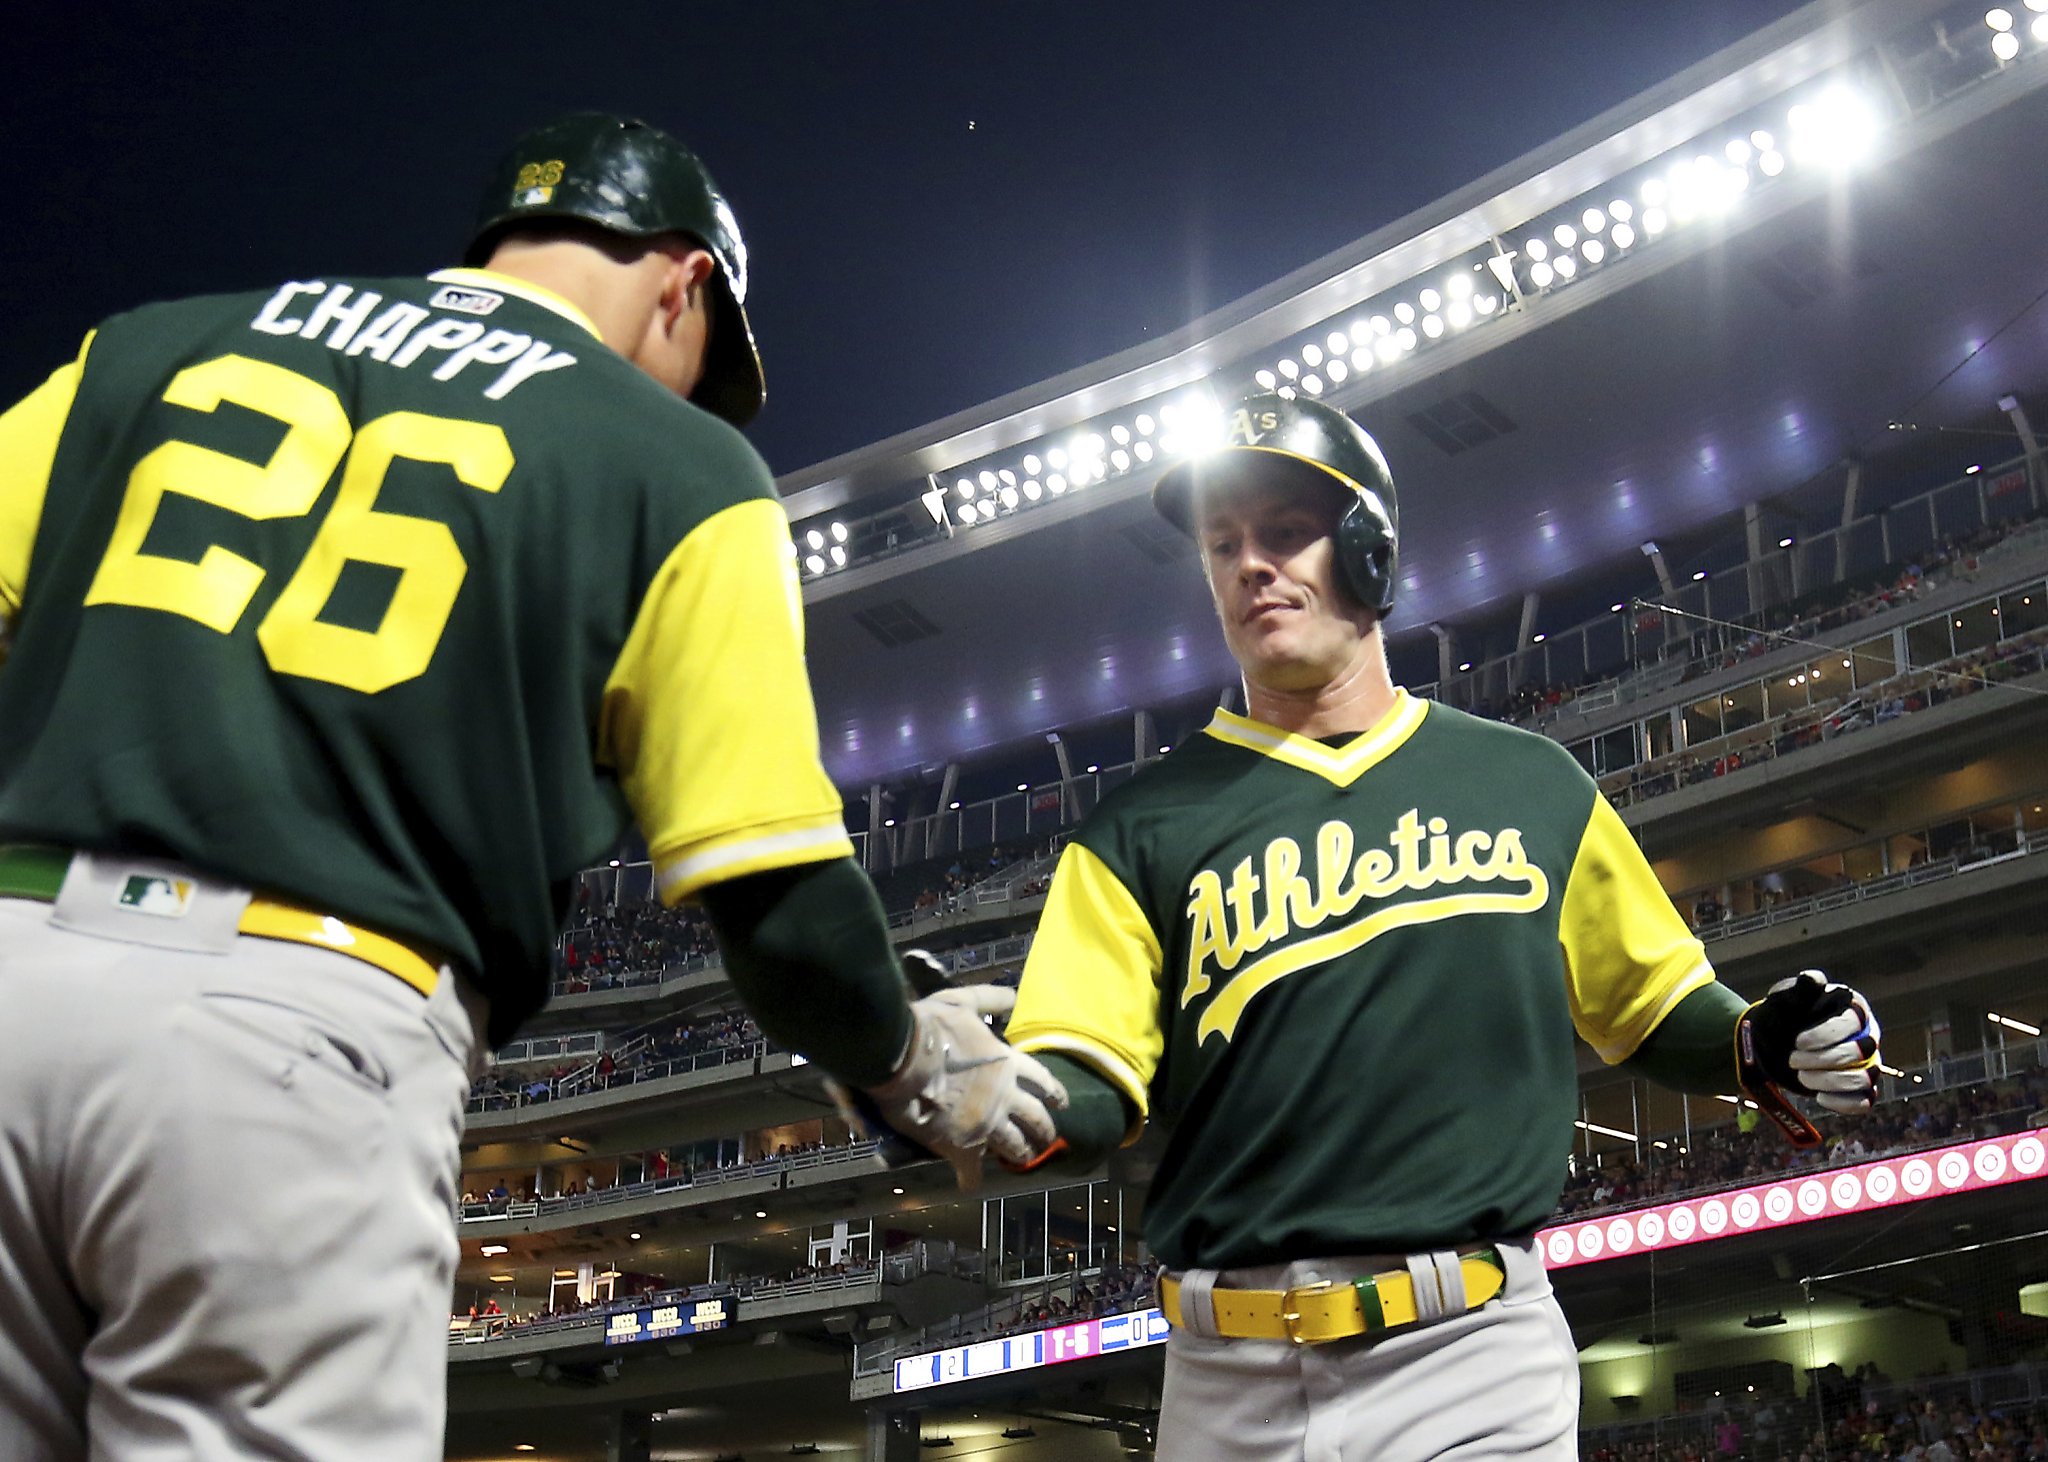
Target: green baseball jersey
(1346, 977)
(396, 598)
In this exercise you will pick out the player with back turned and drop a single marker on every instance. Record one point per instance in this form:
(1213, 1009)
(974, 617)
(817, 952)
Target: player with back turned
(345, 622)
(1338, 946)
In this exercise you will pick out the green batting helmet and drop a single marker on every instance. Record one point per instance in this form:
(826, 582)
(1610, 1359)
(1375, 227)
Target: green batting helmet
(1279, 438)
(632, 179)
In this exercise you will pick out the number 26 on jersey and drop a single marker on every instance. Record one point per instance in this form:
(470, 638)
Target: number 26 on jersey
(217, 590)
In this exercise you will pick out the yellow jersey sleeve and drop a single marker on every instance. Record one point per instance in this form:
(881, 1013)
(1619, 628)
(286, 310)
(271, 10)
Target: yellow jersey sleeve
(708, 719)
(1091, 982)
(29, 432)
(1629, 959)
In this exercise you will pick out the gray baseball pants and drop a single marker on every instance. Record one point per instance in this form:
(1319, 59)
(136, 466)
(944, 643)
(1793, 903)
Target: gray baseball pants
(1501, 1381)
(227, 1187)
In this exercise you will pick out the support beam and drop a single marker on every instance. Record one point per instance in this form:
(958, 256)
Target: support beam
(1852, 493)
(2037, 489)
(892, 1436)
(1656, 557)
(1446, 652)
(935, 833)
(1069, 811)
(1753, 542)
(876, 862)
(630, 1436)
(1144, 738)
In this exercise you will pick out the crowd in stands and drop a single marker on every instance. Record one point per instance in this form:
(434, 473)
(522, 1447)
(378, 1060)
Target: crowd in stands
(656, 1169)
(639, 1059)
(493, 1319)
(944, 891)
(1728, 1156)
(606, 946)
(1859, 1416)
(1903, 695)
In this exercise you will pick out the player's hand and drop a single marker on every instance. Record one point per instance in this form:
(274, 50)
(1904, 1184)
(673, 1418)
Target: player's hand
(1814, 1037)
(961, 1092)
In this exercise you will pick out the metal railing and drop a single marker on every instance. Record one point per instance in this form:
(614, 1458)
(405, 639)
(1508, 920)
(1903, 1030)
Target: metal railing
(491, 1210)
(585, 1081)
(1979, 855)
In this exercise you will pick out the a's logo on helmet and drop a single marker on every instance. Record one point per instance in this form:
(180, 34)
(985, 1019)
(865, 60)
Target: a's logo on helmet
(1248, 427)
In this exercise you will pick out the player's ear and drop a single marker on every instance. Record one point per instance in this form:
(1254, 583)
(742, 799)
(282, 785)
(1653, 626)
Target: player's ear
(685, 282)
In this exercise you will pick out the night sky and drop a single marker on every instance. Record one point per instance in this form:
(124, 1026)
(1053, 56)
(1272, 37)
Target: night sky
(943, 201)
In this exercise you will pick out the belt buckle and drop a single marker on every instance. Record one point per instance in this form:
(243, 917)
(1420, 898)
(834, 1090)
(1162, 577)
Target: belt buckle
(1290, 1313)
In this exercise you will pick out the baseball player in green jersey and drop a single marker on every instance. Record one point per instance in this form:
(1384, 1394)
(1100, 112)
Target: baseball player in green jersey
(1338, 946)
(349, 620)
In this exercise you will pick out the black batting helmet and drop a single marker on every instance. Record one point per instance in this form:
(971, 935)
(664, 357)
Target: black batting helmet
(1274, 436)
(632, 179)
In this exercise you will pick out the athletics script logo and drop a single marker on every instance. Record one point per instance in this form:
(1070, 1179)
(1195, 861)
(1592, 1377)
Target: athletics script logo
(1230, 922)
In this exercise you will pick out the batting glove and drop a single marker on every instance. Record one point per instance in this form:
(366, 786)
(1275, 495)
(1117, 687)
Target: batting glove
(960, 1091)
(1814, 1037)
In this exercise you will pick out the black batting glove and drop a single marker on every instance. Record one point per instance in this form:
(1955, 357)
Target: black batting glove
(1814, 1037)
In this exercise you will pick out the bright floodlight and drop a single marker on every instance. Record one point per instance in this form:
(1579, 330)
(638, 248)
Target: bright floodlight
(1653, 221)
(1737, 151)
(1771, 164)
(1337, 342)
(1311, 354)
(1624, 236)
(815, 539)
(1655, 192)
(1289, 369)
(1405, 313)
(989, 480)
(1594, 251)
(838, 532)
(1405, 338)
(966, 488)
(1432, 326)
(1998, 19)
(1431, 300)
(1055, 484)
(1361, 331)
(1032, 464)
(1485, 304)
(1567, 266)
(1459, 314)
(2005, 45)
(1056, 456)
(838, 557)
(1010, 498)
(1361, 359)
(1144, 451)
(1120, 434)
(1620, 211)
(1536, 249)
(1565, 235)
(1009, 478)
(1763, 142)
(1145, 424)
(1094, 444)
(2039, 29)
(1032, 490)
(1382, 326)
(815, 563)
(1592, 220)
(1460, 286)
(1834, 128)
(1388, 348)
(1312, 383)
(1337, 369)
(1541, 274)
(1120, 460)
(1202, 423)
(1266, 379)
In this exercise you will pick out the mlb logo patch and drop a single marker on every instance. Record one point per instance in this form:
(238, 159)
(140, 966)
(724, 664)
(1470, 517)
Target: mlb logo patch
(165, 898)
(531, 197)
(468, 301)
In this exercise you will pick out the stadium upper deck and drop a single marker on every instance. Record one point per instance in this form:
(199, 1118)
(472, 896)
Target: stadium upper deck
(1701, 301)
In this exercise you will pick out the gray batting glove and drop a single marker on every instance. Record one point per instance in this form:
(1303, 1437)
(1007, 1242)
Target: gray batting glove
(960, 1092)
